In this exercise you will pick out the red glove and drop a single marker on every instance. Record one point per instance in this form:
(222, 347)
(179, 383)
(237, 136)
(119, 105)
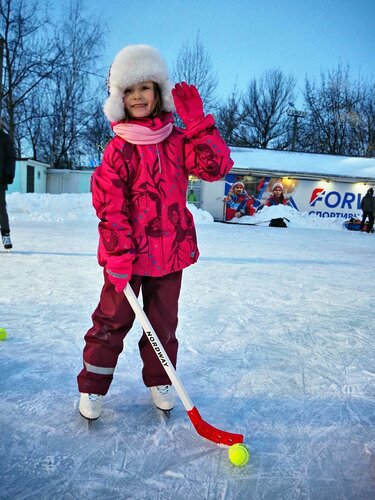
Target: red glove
(118, 280)
(188, 103)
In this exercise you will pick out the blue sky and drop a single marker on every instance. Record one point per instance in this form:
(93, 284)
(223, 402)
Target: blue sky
(245, 38)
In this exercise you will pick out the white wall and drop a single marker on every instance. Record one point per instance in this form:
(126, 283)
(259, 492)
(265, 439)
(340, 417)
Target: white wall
(212, 195)
(68, 181)
(322, 198)
(328, 199)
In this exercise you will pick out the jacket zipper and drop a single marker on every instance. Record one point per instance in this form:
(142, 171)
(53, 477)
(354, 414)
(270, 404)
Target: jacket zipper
(157, 153)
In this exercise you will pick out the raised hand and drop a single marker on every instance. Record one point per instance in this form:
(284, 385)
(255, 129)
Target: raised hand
(188, 103)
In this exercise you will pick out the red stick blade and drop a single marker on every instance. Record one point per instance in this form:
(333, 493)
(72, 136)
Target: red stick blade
(212, 433)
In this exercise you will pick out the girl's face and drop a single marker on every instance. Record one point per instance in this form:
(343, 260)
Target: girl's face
(277, 192)
(140, 100)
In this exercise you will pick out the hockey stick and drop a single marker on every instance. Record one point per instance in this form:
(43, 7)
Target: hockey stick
(203, 428)
(245, 223)
(252, 223)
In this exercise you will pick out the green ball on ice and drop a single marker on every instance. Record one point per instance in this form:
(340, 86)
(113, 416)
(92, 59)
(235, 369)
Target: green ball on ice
(3, 334)
(238, 454)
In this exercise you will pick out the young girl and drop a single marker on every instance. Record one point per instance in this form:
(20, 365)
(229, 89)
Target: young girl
(146, 233)
(277, 196)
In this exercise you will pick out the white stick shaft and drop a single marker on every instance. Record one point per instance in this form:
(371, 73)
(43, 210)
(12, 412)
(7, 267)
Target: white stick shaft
(158, 348)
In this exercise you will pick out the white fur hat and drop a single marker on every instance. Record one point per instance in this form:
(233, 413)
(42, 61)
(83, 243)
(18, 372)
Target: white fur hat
(135, 64)
(278, 185)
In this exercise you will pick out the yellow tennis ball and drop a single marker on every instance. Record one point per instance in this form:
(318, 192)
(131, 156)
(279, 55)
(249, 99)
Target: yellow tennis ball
(238, 454)
(3, 334)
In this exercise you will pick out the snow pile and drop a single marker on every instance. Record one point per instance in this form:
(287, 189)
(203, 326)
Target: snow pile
(50, 207)
(67, 207)
(294, 218)
(200, 216)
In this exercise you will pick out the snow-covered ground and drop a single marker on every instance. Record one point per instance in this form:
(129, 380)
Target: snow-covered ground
(276, 342)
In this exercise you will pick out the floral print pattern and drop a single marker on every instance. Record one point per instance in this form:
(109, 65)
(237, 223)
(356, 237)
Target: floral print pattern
(139, 193)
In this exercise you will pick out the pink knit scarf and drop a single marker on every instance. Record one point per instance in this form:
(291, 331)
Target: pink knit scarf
(136, 134)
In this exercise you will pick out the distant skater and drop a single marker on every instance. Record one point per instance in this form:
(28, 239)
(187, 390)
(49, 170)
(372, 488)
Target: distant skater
(368, 208)
(7, 170)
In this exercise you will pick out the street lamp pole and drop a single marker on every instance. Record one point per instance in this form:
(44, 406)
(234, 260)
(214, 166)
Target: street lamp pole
(296, 114)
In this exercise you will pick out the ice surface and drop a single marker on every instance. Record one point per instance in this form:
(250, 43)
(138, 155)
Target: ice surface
(276, 342)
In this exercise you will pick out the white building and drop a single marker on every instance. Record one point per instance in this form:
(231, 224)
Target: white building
(36, 177)
(30, 177)
(326, 185)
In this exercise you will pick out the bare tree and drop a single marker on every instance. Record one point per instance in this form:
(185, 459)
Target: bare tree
(70, 91)
(368, 123)
(32, 113)
(29, 58)
(49, 93)
(193, 65)
(98, 133)
(362, 123)
(336, 114)
(230, 117)
(265, 105)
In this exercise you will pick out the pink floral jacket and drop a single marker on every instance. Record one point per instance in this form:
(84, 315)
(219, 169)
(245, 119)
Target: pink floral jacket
(139, 193)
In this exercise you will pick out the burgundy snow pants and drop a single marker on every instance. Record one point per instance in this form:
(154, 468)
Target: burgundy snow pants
(112, 320)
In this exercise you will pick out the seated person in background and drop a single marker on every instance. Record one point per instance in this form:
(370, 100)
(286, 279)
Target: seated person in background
(277, 197)
(191, 196)
(238, 202)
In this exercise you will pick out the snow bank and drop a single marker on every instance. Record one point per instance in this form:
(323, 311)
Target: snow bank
(68, 207)
(296, 219)
(50, 207)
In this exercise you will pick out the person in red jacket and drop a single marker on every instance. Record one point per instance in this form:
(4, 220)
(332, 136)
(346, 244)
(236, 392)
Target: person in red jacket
(238, 202)
(277, 197)
(146, 233)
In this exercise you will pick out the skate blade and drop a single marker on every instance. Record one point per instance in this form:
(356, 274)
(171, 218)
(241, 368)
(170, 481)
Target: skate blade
(89, 420)
(166, 413)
